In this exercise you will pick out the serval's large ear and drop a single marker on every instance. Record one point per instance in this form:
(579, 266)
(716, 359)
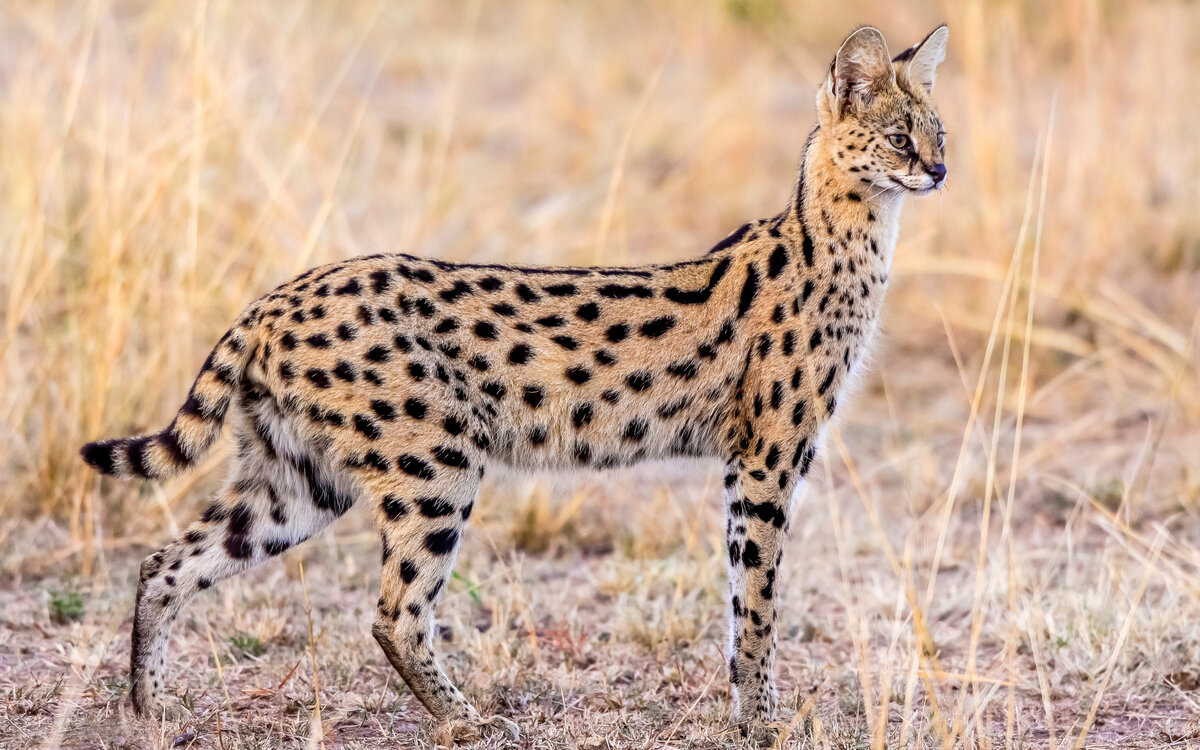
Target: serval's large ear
(924, 57)
(860, 70)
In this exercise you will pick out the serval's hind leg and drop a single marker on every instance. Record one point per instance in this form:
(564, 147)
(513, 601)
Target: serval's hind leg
(275, 501)
(422, 509)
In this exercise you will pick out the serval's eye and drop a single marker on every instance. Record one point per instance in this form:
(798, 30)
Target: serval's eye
(898, 141)
(941, 140)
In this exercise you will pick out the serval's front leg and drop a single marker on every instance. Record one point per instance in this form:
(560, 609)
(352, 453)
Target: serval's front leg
(758, 491)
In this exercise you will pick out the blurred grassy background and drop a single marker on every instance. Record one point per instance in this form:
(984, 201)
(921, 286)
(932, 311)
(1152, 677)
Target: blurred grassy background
(162, 164)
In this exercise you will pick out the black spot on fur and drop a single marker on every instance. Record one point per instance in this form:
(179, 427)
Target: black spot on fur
(685, 368)
(318, 377)
(583, 453)
(239, 546)
(376, 461)
(479, 362)
(414, 466)
(534, 395)
(526, 294)
(798, 413)
(520, 354)
(275, 547)
(621, 291)
(393, 507)
(408, 571)
(751, 557)
(777, 262)
(636, 429)
(456, 292)
(772, 457)
(378, 354)
(495, 389)
(434, 507)
(380, 281)
(581, 415)
(669, 410)
(425, 307)
(367, 426)
(383, 409)
(657, 327)
(453, 426)
(828, 381)
(588, 311)
(240, 519)
(725, 335)
(699, 296)
(578, 374)
(749, 290)
(485, 330)
(639, 381)
(442, 542)
(345, 371)
(807, 248)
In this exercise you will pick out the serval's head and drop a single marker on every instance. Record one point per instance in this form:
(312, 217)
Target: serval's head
(881, 124)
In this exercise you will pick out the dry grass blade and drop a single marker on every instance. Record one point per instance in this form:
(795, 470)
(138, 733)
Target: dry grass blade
(316, 735)
(212, 644)
(1122, 636)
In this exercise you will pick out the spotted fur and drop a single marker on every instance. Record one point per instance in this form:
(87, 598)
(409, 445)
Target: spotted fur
(394, 380)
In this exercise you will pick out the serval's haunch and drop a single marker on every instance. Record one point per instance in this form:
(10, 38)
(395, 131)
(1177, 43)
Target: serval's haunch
(394, 380)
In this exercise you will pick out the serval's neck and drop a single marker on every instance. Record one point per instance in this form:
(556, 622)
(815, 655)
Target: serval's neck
(842, 215)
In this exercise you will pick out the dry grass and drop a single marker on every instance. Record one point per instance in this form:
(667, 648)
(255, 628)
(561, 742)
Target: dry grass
(999, 550)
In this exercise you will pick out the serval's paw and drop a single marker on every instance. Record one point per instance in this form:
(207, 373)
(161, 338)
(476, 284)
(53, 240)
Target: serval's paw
(475, 728)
